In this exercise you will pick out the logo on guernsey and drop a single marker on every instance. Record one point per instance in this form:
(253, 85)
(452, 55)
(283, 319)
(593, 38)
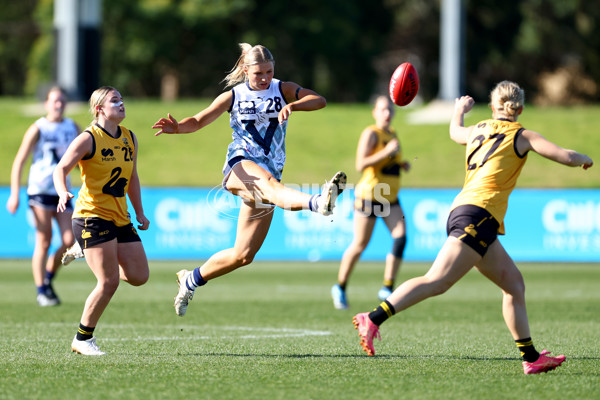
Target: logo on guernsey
(125, 141)
(85, 234)
(108, 155)
(247, 107)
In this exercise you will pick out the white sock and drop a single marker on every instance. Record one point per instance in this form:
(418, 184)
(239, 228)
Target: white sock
(313, 203)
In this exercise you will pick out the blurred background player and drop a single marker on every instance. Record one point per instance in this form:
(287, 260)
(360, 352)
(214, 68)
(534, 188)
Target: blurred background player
(496, 151)
(259, 106)
(47, 139)
(107, 156)
(379, 157)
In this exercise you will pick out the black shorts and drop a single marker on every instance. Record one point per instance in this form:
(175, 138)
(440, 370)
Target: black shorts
(374, 209)
(90, 232)
(47, 202)
(474, 226)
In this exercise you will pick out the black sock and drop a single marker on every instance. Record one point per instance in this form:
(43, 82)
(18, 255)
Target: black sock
(85, 332)
(528, 352)
(388, 283)
(382, 313)
(342, 286)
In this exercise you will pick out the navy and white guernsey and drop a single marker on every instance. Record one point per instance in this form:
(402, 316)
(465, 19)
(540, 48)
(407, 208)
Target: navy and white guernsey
(54, 139)
(257, 134)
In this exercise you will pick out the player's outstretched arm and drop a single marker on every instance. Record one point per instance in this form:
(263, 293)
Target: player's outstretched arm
(191, 124)
(530, 140)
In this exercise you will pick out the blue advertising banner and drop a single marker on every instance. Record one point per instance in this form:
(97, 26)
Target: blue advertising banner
(194, 223)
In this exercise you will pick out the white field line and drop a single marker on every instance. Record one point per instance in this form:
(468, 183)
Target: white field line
(252, 332)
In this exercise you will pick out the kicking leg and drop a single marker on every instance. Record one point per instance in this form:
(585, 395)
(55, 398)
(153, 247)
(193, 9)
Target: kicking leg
(454, 260)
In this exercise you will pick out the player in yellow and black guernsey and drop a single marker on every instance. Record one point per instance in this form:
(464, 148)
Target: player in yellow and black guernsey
(379, 157)
(104, 176)
(107, 155)
(493, 165)
(496, 150)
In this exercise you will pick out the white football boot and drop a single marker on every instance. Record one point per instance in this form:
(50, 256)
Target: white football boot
(74, 252)
(184, 295)
(330, 192)
(44, 300)
(86, 347)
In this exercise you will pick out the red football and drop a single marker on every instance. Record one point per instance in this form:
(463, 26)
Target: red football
(404, 84)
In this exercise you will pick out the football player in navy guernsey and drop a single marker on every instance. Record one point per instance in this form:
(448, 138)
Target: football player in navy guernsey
(496, 151)
(259, 107)
(47, 139)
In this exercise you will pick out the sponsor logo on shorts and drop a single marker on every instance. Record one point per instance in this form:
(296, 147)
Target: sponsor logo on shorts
(104, 232)
(471, 230)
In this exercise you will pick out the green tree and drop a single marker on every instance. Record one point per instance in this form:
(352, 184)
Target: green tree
(40, 63)
(18, 31)
(326, 45)
(528, 40)
(344, 49)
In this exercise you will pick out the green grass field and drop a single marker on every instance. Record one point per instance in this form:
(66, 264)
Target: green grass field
(269, 331)
(319, 143)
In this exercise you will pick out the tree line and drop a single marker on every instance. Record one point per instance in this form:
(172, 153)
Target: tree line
(344, 49)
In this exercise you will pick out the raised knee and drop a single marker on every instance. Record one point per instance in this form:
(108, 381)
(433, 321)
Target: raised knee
(138, 280)
(517, 290)
(440, 287)
(270, 189)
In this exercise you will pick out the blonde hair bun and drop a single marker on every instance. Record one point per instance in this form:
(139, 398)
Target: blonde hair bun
(507, 97)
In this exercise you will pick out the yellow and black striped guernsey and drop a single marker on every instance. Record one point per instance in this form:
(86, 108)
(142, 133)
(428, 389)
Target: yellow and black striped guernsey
(378, 178)
(493, 166)
(105, 175)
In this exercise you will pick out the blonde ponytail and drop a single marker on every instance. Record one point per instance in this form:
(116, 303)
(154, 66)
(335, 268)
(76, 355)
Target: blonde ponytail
(251, 55)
